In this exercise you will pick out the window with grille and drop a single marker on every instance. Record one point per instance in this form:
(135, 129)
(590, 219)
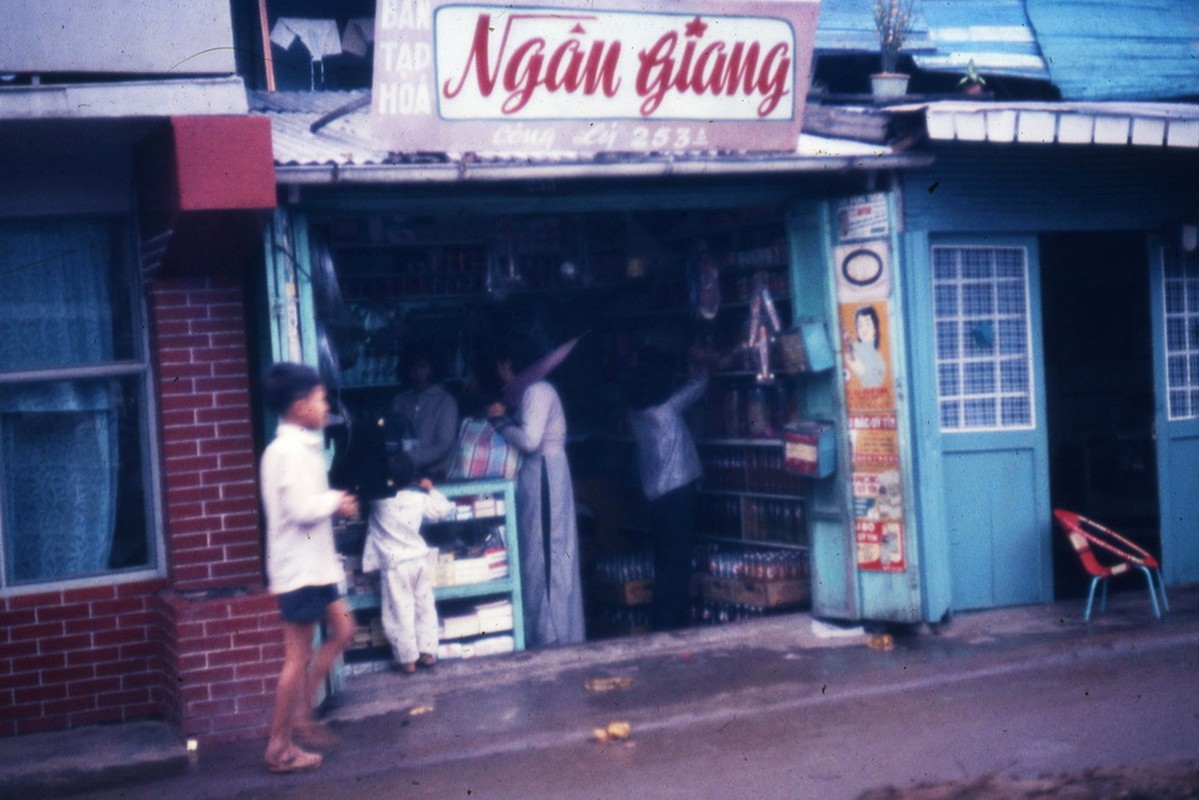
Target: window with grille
(1181, 302)
(984, 359)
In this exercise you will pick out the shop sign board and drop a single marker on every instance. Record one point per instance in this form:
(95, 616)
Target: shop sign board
(552, 76)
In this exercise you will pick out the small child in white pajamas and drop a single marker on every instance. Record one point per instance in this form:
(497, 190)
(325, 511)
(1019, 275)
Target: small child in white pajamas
(395, 547)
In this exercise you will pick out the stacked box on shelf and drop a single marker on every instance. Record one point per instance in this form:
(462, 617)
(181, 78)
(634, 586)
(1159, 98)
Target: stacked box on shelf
(485, 646)
(483, 619)
(625, 593)
(495, 617)
(755, 592)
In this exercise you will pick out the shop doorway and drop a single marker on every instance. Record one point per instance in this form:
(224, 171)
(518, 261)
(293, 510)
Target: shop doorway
(1099, 389)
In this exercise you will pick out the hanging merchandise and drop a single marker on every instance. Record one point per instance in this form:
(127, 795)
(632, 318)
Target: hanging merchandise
(764, 326)
(709, 286)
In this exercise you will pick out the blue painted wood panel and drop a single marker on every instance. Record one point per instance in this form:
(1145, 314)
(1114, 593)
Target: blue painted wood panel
(1180, 506)
(1177, 454)
(984, 495)
(1030, 188)
(927, 499)
(998, 528)
(834, 574)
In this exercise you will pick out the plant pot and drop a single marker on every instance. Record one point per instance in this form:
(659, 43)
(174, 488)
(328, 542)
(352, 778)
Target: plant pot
(889, 84)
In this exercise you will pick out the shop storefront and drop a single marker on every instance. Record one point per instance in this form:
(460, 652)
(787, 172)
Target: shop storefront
(769, 259)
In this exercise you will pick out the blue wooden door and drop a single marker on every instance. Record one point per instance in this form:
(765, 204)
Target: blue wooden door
(991, 414)
(1174, 289)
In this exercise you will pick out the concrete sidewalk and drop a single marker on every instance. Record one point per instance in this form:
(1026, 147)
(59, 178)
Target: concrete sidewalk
(531, 699)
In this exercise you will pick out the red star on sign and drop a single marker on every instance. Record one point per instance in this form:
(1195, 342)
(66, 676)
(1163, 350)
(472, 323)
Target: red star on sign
(696, 28)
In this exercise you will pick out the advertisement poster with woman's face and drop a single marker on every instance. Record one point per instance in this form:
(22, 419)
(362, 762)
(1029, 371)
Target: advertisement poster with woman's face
(866, 353)
(863, 269)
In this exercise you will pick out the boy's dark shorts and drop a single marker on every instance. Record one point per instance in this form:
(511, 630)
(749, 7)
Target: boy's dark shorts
(308, 603)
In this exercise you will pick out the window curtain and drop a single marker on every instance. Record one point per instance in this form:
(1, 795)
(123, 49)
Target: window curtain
(58, 438)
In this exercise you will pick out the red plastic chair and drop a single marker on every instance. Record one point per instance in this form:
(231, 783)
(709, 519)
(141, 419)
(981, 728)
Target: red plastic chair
(1083, 533)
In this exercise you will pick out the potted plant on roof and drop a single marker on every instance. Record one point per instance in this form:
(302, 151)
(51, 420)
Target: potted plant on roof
(973, 83)
(893, 22)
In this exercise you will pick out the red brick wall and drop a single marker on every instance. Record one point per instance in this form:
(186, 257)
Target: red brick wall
(203, 648)
(207, 442)
(227, 653)
(82, 656)
(223, 639)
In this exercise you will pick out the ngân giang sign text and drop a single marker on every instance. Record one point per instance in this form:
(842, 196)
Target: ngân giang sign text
(656, 76)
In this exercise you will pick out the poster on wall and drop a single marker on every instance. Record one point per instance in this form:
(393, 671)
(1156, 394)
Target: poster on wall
(866, 354)
(873, 440)
(558, 76)
(863, 217)
(863, 269)
(877, 492)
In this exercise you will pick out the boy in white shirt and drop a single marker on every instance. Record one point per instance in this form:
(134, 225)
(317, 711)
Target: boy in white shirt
(303, 569)
(394, 546)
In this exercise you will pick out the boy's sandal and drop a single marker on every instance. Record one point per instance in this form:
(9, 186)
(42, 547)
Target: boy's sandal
(294, 760)
(426, 660)
(407, 669)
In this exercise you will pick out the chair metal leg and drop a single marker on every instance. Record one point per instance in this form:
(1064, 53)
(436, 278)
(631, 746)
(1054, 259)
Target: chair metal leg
(1157, 612)
(1161, 588)
(1103, 596)
(1091, 597)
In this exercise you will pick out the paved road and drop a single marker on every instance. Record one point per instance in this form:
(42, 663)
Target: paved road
(777, 724)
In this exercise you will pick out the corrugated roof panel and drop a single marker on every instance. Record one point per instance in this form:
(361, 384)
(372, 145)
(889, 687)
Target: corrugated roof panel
(344, 142)
(995, 34)
(1119, 49)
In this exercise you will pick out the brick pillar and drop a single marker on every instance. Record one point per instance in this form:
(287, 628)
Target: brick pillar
(224, 642)
(227, 653)
(207, 437)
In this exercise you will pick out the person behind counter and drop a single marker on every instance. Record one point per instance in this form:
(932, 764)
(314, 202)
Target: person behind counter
(670, 470)
(428, 414)
(303, 570)
(395, 547)
(551, 586)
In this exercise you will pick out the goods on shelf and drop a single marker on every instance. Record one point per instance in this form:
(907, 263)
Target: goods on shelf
(625, 579)
(481, 619)
(476, 590)
(486, 646)
(768, 519)
(749, 468)
(753, 579)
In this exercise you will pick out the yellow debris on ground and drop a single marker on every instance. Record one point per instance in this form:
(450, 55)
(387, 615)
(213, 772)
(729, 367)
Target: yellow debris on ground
(607, 684)
(614, 732)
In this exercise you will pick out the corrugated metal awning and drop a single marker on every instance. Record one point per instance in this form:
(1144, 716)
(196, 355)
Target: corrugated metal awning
(342, 150)
(1129, 124)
